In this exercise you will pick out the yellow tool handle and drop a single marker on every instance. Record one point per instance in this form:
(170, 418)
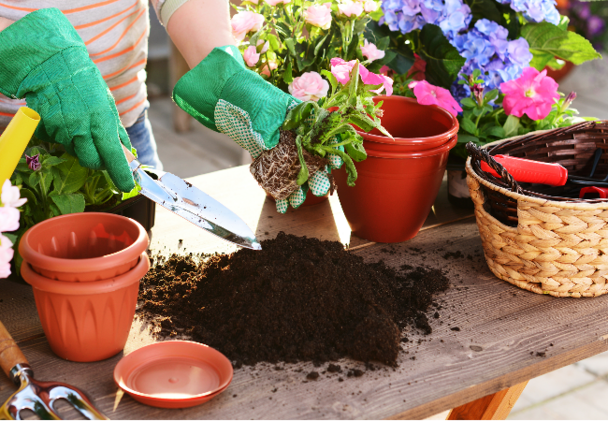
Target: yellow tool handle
(10, 354)
(14, 140)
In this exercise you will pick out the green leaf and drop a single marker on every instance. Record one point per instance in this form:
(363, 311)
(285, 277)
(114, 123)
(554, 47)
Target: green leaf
(468, 102)
(443, 62)
(497, 131)
(274, 43)
(490, 95)
(356, 151)
(545, 39)
(468, 125)
(332, 79)
(289, 42)
(511, 126)
(401, 64)
(69, 203)
(298, 115)
(465, 138)
(287, 75)
(487, 9)
(362, 121)
(320, 44)
(303, 174)
(69, 176)
(563, 22)
(52, 161)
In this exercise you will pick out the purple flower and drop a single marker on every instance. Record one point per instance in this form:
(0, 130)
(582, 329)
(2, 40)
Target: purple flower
(519, 52)
(595, 26)
(411, 7)
(33, 162)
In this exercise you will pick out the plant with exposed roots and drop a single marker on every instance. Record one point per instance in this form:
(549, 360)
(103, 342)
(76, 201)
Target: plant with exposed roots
(313, 132)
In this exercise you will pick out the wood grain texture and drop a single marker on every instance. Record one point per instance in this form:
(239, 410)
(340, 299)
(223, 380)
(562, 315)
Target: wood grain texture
(505, 335)
(10, 354)
(496, 406)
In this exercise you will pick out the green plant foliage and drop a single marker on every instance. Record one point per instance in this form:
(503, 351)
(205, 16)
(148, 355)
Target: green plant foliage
(548, 41)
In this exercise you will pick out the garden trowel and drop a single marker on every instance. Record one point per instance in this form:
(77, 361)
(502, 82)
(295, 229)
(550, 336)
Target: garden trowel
(182, 198)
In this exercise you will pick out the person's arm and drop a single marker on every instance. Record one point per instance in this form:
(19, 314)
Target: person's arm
(4, 23)
(198, 26)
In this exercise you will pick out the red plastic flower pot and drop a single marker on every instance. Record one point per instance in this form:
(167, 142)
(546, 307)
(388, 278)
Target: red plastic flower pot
(87, 321)
(400, 179)
(84, 247)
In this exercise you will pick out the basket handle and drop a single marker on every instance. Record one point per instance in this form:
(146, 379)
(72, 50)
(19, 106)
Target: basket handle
(483, 155)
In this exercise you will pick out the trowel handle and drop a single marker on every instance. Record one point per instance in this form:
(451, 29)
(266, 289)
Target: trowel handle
(128, 154)
(10, 354)
(528, 171)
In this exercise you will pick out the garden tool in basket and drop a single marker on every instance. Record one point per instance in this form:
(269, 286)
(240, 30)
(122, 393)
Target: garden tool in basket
(39, 397)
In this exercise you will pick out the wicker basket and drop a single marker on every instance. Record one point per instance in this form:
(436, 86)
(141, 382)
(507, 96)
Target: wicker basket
(542, 243)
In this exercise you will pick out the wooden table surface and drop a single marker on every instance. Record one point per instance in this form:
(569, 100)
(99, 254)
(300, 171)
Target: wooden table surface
(489, 336)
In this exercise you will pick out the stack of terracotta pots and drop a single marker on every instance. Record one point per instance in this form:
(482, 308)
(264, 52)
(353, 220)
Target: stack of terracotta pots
(85, 270)
(400, 179)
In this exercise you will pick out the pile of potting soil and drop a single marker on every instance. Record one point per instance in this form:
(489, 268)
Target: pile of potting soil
(299, 299)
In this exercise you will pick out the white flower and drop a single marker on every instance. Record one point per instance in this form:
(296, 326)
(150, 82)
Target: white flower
(10, 195)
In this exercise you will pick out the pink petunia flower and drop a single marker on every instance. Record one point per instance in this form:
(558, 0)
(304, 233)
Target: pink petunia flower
(384, 70)
(350, 8)
(370, 78)
(309, 87)
(10, 196)
(533, 93)
(9, 219)
(275, 2)
(370, 51)
(318, 15)
(245, 22)
(341, 69)
(251, 56)
(427, 94)
(6, 255)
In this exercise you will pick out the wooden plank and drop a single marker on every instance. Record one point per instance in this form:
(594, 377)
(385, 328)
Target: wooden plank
(496, 406)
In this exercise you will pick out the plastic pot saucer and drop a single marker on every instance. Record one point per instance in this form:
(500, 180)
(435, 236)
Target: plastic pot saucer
(174, 374)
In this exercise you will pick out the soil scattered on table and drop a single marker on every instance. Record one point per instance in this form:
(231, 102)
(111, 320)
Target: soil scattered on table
(299, 299)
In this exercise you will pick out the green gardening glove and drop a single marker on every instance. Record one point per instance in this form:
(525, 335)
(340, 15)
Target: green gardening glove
(44, 60)
(225, 96)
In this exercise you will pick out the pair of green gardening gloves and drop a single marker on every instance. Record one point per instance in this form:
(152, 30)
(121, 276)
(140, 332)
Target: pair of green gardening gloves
(44, 60)
(227, 97)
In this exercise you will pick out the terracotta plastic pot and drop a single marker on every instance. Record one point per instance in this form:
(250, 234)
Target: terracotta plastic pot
(83, 247)
(87, 321)
(400, 179)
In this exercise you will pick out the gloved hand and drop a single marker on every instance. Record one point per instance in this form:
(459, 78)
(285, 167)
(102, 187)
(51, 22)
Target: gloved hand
(225, 96)
(44, 60)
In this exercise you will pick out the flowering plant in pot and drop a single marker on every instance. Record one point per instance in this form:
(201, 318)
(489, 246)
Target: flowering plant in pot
(483, 55)
(54, 184)
(318, 135)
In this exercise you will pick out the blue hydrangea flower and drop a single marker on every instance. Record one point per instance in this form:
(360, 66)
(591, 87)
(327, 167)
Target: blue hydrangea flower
(535, 10)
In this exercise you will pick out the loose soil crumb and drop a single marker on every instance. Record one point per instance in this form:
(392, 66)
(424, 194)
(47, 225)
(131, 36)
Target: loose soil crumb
(298, 299)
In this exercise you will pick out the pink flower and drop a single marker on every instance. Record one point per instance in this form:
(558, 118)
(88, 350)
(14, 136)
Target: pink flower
(275, 2)
(9, 219)
(251, 56)
(427, 94)
(533, 93)
(341, 69)
(245, 22)
(10, 196)
(318, 16)
(384, 70)
(6, 255)
(265, 69)
(371, 6)
(265, 47)
(370, 78)
(370, 51)
(350, 8)
(309, 87)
